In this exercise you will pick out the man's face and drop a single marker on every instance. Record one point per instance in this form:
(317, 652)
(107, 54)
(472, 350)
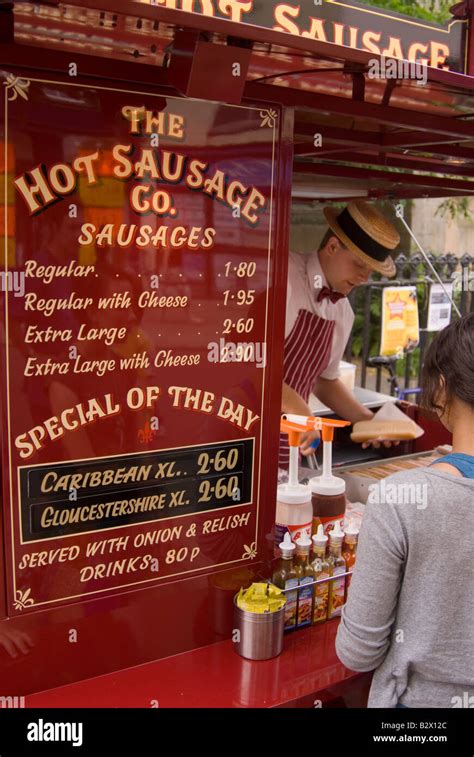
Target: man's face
(342, 268)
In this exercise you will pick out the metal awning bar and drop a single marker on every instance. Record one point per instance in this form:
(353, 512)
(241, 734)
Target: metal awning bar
(378, 193)
(349, 172)
(382, 142)
(308, 150)
(20, 56)
(337, 135)
(453, 151)
(385, 114)
(409, 163)
(383, 157)
(413, 139)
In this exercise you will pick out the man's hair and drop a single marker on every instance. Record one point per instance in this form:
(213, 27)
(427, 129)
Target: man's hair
(329, 233)
(450, 356)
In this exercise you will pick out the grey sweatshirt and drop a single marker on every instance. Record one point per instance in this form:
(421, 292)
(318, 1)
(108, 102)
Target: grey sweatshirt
(410, 610)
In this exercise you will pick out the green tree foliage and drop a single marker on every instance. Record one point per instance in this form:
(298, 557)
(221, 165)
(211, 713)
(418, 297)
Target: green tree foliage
(430, 10)
(454, 208)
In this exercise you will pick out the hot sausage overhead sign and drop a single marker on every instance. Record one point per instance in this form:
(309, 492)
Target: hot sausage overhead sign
(362, 27)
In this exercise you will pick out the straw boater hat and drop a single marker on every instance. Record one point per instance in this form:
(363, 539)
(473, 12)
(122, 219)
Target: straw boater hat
(367, 233)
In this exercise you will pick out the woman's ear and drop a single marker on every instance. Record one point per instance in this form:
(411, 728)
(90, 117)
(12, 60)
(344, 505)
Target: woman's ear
(442, 401)
(441, 393)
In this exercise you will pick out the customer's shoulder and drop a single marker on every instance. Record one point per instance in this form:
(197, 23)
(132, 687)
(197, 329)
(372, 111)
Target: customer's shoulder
(410, 474)
(427, 483)
(433, 475)
(403, 497)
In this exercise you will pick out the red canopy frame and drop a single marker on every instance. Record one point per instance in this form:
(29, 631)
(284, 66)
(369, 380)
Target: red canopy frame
(375, 124)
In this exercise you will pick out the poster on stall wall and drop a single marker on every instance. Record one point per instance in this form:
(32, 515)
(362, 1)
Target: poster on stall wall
(400, 326)
(135, 333)
(439, 307)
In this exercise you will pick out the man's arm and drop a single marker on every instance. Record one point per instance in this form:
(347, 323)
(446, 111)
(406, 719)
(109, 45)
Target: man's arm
(336, 395)
(291, 402)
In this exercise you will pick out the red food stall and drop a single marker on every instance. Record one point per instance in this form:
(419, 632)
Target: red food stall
(148, 159)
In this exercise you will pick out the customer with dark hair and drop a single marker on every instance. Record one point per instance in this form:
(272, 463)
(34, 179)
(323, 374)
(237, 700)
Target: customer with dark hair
(409, 614)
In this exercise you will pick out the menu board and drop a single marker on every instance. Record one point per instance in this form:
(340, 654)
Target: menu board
(137, 237)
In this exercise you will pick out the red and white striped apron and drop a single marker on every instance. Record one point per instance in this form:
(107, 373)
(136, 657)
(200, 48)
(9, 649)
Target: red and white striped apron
(307, 354)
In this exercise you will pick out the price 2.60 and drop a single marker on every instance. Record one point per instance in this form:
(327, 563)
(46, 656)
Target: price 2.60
(220, 461)
(223, 487)
(242, 325)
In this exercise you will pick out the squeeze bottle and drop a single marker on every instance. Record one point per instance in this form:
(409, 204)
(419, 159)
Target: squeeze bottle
(328, 491)
(294, 511)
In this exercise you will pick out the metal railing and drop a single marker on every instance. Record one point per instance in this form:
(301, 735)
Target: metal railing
(314, 583)
(366, 302)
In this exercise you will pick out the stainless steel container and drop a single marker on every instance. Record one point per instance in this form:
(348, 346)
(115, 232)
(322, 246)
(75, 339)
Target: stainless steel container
(258, 636)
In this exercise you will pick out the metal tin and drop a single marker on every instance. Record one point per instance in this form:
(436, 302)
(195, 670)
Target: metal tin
(258, 636)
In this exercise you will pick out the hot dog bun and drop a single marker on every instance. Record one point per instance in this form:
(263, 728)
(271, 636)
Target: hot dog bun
(366, 431)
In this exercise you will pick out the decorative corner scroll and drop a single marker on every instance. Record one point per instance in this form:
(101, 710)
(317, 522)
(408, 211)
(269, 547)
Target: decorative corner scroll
(269, 118)
(16, 86)
(23, 599)
(250, 551)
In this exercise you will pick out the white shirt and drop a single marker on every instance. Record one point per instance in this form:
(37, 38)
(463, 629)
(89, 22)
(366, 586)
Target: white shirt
(302, 295)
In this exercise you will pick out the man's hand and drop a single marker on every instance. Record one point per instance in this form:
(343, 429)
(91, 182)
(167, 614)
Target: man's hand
(334, 394)
(306, 440)
(377, 443)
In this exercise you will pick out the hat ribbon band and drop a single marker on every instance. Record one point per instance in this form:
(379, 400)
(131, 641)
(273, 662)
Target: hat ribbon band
(357, 235)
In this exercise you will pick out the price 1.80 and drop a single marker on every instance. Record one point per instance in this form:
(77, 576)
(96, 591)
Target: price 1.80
(242, 269)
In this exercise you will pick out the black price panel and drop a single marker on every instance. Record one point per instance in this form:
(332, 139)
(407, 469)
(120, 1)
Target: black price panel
(63, 499)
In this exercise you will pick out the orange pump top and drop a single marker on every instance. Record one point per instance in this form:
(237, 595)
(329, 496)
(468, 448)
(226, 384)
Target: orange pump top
(309, 423)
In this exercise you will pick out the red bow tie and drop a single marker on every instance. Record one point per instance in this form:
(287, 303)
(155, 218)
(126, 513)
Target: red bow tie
(330, 294)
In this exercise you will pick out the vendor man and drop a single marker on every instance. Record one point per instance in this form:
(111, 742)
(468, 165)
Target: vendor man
(319, 317)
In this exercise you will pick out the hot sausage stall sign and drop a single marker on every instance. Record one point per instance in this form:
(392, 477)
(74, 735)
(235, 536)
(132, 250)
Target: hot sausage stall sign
(139, 238)
(372, 29)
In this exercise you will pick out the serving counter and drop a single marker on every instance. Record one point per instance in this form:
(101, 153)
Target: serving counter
(306, 674)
